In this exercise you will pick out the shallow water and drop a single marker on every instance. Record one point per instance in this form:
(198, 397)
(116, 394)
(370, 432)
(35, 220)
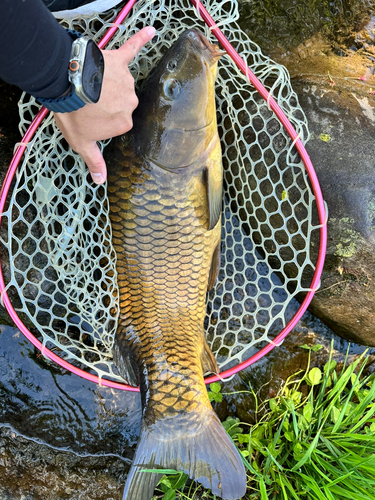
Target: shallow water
(42, 401)
(60, 436)
(328, 43)
(284, 24)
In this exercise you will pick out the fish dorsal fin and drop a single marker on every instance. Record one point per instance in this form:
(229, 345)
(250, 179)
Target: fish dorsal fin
(123, 361)
(209, 365)
(215, 268)
(205, 453)
(214, 185)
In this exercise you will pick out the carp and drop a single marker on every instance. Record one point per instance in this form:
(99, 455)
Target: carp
(165, 193)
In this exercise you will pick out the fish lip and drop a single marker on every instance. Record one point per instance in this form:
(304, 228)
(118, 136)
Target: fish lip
(202, 43)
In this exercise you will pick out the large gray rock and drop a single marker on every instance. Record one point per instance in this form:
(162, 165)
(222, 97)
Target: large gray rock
(345, 167)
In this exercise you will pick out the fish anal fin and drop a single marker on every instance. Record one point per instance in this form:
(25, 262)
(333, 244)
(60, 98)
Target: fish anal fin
(215, 267)
(122, 358)
(205, 453)
(208, 360)
(214, 185)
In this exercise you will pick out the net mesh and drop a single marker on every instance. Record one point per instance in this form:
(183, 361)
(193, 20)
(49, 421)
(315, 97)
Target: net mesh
(57, 230)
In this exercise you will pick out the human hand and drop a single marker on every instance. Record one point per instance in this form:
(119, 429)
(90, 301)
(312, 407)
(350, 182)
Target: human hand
(112, 114)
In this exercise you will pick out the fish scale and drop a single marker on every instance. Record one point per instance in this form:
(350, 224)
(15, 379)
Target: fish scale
(174, 295)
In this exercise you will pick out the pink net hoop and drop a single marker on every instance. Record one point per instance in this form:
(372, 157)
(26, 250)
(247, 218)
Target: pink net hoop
(273, 105)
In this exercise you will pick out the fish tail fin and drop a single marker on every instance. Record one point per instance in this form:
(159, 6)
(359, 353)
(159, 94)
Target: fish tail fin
(206, 455)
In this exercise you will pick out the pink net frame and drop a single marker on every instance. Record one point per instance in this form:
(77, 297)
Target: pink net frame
(321, 210)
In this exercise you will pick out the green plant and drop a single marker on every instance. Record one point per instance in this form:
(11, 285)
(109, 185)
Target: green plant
(314, 441)
(176, 484)
(170, 483)
(215, 392)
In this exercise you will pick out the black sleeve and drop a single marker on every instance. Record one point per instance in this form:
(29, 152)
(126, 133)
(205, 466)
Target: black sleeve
(35, 49)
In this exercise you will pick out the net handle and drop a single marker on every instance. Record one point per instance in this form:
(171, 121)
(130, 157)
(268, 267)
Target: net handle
(305, 158)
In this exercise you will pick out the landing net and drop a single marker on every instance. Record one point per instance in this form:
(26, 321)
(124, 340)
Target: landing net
(56, 229)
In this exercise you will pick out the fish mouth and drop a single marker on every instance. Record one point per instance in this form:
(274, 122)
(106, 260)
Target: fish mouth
(196, 129)
(198, 40)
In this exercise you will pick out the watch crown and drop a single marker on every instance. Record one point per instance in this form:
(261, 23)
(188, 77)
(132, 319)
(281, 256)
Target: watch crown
(73, 66)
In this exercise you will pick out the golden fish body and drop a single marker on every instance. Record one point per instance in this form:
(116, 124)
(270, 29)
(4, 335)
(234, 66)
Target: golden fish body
(164, 256)
(165, 193)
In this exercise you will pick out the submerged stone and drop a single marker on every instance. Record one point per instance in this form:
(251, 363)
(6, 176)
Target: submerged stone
(31, 471)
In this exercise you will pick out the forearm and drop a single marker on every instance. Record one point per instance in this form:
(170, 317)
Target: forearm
(35, 49)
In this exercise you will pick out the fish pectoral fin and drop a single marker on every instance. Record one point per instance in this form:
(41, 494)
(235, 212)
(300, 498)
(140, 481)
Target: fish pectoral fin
(214, 190)
(209, 365)
(215, 268)
(206, 454)
(125, 365)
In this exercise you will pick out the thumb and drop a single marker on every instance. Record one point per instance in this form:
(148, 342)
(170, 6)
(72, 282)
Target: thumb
(95, 162)
(134, 44)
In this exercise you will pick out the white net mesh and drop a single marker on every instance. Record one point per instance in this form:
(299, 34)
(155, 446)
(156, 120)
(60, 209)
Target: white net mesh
(58, 233)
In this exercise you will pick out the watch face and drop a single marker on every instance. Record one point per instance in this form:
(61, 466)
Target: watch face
(92, 74)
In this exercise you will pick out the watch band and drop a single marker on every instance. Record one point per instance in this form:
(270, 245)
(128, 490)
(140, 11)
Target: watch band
(69, 102)
(66, 104)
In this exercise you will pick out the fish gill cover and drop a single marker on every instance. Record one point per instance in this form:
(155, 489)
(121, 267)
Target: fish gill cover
(57, 230)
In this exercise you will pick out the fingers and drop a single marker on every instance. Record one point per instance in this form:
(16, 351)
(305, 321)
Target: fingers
(95, 162)
(134, 44)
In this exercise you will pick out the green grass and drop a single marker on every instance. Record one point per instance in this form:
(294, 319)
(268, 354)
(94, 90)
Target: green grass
(314, 441)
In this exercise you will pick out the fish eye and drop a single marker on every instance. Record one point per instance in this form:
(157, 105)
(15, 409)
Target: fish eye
(171, 88)
(172, 64)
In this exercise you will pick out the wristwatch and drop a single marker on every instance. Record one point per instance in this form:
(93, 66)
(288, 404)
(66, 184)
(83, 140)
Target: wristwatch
(85, 72)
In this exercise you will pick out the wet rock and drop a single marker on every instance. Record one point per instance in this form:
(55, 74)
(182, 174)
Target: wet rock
(342, 124)
(336, 94)
(287, 23)
(33, 471)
